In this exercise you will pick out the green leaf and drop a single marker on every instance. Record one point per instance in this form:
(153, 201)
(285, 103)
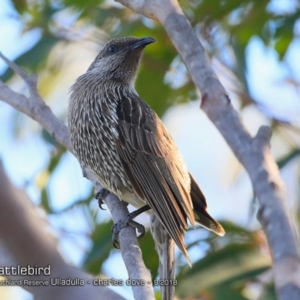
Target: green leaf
(285, 32)
(269, 293)
(232, 228)
(102, 245)
(45, 203)
(283, 43)
(150, 256)
(234, 234)
(82, 5)
(20, 5)
(223, 292)
(231, 264)
(55, 160)
(240, 68)
(150, 82)
(286, 159)
(49, 138)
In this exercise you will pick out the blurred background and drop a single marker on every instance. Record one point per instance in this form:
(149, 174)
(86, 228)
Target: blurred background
(254, 47)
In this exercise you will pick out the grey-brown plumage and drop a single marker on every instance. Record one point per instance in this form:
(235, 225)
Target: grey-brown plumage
(117, 136)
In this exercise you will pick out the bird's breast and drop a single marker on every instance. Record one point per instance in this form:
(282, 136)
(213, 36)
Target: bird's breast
(93, 128)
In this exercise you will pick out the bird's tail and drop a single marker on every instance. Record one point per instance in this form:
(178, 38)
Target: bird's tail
(165, 247)
(200, 210)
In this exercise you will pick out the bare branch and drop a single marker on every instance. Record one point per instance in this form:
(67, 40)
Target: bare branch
(35, 107)
(16, 68)
(131, 252)
(253, 153)
(21, 228)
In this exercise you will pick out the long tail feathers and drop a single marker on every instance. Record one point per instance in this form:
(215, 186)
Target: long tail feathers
(200, 210)
(165, 247)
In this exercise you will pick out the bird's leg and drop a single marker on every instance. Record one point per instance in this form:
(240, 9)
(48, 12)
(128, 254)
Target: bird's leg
(100, 197)
(128, 220)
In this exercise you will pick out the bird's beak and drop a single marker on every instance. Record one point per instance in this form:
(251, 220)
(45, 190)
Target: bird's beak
(143, 42)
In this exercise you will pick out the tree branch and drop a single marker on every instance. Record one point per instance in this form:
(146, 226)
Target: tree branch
(35, 107)
(21, 228)
(253, 153)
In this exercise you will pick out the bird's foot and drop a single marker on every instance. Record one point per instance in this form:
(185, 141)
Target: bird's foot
(128, 220)
(123, 223)
(100, 197)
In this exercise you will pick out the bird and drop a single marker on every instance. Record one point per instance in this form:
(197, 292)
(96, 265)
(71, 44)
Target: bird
(119, 138)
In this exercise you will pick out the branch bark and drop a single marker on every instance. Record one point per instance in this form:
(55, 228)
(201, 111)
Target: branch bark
(34, 107)
(253, 152)
(25, 236)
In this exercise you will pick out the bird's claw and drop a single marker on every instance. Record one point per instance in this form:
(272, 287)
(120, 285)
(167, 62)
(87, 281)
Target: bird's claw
(100, 197)
(123, 223)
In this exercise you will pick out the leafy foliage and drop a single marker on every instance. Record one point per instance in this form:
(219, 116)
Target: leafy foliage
(228, 269)
(100, 251)
(228, 266)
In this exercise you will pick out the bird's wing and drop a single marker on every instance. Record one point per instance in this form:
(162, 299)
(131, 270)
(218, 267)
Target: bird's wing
(200, 210)
(154, 166)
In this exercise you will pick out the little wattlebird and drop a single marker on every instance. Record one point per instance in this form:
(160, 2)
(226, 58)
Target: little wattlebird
(122, 141)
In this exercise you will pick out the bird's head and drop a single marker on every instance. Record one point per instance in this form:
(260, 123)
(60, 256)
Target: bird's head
(119, 59)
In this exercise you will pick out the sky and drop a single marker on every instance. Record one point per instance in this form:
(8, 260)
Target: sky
(207, 155)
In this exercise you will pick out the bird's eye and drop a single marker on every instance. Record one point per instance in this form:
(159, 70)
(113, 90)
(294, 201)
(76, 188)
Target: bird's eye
(113, 49)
